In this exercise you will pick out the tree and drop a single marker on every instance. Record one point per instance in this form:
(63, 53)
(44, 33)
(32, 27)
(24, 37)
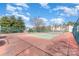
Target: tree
(20, 24)
(5, 24)
(37, 23)
(31, 30)
(70, 23)
(12, 24)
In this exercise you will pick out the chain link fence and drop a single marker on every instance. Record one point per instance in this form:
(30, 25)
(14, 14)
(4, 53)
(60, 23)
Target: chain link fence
(76, 31)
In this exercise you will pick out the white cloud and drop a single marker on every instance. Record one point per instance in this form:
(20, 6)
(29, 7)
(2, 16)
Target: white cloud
(10, 8)
(19, 8)
(25, 18)
(45, 5)
(67, 10)
(28, 14)
(7, 14)
(44, 19)
(15, 10)
(71, 11)
(21, 15)
(22, 5)
(57, 20)
(77, 7)
(62, 14)
(58, 8)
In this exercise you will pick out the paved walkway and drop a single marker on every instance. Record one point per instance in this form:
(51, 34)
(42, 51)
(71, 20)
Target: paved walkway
(23, 44)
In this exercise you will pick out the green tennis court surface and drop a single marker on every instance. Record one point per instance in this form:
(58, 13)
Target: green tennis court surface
(47, 36)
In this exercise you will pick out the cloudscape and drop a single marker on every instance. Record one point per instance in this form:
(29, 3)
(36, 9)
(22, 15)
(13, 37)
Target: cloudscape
(49, 12)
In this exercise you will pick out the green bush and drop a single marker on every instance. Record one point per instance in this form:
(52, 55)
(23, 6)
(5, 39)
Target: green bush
(31, 30)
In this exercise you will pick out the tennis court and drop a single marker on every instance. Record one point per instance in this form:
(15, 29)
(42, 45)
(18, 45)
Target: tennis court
(47, 36)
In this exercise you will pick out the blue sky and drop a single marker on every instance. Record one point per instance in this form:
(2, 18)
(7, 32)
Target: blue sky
(49, 12)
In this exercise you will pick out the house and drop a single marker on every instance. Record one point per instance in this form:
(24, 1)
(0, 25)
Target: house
(62, 28)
